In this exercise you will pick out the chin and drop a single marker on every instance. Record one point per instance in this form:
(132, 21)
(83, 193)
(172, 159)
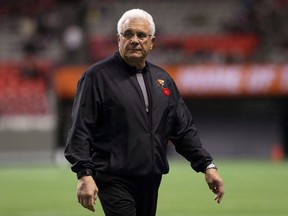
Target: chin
(134, 56)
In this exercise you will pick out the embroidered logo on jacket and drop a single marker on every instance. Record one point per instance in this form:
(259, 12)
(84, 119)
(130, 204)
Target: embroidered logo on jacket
(161, 83)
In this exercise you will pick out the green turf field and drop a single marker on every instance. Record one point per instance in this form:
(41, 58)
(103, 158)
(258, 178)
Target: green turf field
(253, 188)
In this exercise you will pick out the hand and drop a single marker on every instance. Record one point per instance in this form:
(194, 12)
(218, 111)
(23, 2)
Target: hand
(87, 192)
(215, 184)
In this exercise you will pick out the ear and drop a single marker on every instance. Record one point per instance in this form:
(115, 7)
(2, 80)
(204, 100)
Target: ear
(118, 38)
(153, 41)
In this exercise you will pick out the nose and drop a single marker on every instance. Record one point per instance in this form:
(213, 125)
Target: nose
(134, 39)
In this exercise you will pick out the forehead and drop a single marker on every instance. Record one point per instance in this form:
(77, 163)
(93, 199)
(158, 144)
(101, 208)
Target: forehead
(136, 24)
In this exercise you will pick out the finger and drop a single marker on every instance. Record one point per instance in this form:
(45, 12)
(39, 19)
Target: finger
(94, 196)
(218, 187)
(91, 208)
(94, 199)
(91, 204)
(218, 197)
(83, 201)
(80, 198)
(214, 188)
(210, 185)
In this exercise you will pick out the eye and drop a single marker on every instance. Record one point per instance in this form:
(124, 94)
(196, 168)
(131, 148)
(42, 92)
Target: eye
(128, 34)
(141, 35)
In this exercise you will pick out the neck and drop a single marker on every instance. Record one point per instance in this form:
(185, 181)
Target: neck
(139, 64)
(136, 64)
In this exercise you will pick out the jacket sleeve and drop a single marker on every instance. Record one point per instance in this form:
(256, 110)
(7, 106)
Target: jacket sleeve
(83, 124)
(186, 139)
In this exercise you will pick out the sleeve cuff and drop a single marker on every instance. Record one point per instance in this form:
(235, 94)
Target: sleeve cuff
(86, 172)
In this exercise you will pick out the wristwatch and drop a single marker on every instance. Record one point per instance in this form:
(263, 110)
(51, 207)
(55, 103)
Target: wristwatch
(84, 173)
(211, 166)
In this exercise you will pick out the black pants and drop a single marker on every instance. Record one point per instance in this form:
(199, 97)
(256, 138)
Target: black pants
(126, 195)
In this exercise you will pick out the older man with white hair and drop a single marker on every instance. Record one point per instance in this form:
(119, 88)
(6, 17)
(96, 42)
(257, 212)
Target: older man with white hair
(125, 111)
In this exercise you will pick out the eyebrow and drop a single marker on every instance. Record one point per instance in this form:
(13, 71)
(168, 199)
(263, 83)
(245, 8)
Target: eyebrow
(130, 30)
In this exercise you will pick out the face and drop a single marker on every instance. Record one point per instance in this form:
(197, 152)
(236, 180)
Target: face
(135, 41)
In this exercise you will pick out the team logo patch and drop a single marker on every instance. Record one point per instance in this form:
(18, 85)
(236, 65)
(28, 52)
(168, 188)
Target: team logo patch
(161, 83)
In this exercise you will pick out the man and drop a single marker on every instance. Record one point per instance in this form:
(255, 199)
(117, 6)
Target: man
(125, 111)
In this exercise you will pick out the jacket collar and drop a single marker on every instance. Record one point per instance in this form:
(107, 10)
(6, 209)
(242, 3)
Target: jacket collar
(127, 67)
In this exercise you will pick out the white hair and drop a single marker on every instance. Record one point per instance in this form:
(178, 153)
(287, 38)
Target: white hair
(136, 13)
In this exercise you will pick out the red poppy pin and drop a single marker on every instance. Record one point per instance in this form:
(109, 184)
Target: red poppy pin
(166, 91)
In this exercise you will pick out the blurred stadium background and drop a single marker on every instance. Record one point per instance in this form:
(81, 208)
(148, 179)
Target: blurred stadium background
(228, 57)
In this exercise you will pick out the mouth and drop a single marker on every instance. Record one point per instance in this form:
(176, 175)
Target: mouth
(135, 50)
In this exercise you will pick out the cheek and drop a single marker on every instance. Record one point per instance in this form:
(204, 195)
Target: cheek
(147, 47)
(123, 46)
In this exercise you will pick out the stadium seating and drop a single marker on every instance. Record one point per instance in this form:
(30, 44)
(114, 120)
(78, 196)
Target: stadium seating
(19, 95)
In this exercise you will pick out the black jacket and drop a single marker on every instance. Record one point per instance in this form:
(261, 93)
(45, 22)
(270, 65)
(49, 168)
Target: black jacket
(112, 132)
